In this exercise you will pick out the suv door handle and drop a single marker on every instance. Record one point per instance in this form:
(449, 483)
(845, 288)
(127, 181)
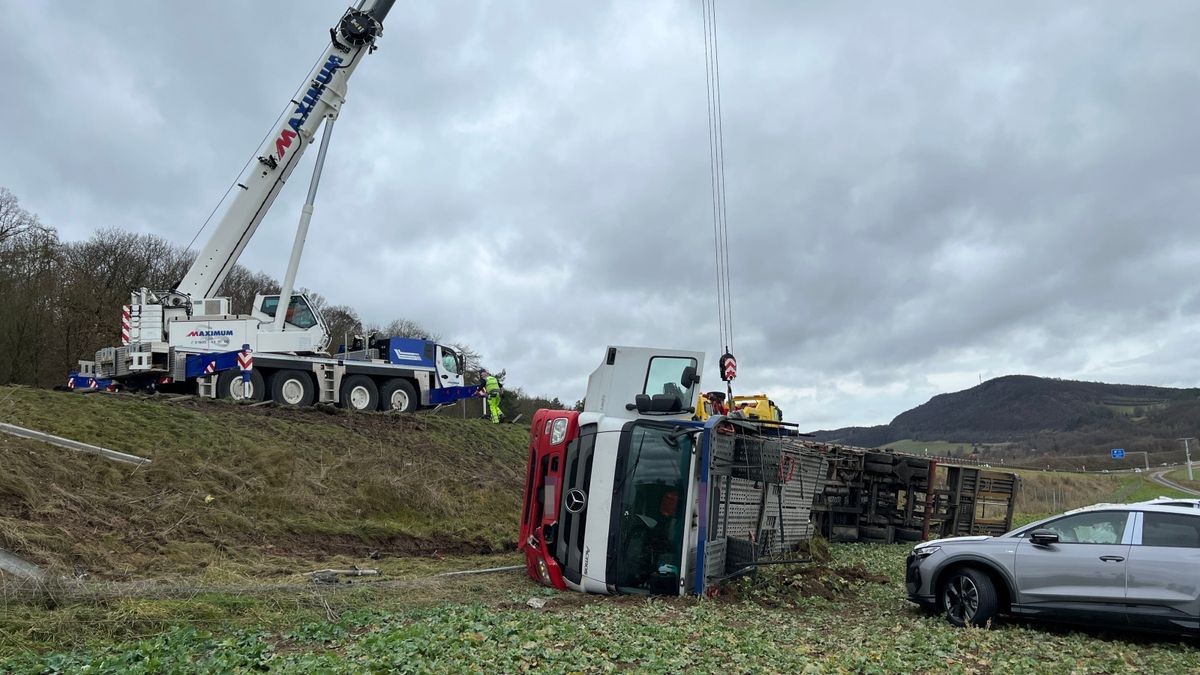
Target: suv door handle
(1112, 558)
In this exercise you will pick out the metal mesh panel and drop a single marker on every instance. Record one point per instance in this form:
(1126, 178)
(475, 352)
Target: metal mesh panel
(766, 501)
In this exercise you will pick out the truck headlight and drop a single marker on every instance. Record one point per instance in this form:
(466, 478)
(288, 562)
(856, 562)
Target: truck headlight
(558, 431)
(920, 553)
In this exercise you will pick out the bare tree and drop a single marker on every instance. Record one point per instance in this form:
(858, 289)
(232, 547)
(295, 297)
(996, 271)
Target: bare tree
(14, 220)
(343, 324)
(241, 285)
(30, 281)
(472, 362)
(62, 301)
(404, 328)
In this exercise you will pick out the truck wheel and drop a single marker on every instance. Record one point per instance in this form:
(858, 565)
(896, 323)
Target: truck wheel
(879, 534)
(398, 395)
(231, 387)
(843, 533)
(877, 467)
(359, 392)
(292, 388)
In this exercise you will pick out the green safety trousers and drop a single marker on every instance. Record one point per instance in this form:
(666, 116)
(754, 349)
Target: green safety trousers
(494, 406)
(492, 386)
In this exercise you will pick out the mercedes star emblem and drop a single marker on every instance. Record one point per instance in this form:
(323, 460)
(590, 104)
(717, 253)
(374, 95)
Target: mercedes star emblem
(576, 499)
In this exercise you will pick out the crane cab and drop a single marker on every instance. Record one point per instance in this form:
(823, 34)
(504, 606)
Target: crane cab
(304, 328)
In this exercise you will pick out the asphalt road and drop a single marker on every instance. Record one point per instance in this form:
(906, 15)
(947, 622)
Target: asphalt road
(1160, 476)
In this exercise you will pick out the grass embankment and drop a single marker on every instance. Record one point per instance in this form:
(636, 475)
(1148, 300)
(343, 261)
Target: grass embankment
(1180, 476)
(937, 448)
(233, 485)
(1050, 492)
(290, 488)
(780, 622)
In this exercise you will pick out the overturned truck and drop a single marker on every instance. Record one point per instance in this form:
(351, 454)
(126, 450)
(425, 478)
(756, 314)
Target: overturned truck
(885, 497)
(632, 495)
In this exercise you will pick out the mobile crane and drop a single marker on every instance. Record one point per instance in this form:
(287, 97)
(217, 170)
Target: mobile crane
(185, 336)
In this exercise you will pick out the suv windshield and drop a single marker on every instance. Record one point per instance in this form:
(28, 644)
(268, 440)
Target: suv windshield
(649, 508)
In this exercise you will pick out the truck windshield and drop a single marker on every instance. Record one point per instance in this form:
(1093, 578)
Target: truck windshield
(649, 508)
(449, 361)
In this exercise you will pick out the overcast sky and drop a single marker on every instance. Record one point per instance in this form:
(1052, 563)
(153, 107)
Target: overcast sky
(920, 195)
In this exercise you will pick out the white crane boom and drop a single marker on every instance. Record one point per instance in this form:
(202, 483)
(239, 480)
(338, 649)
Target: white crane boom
(319, 99)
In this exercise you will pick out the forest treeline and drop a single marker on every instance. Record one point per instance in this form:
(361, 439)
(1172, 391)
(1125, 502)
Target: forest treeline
(60, 300)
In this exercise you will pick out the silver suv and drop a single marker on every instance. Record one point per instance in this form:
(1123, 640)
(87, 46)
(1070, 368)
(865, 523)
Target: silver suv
(1134, 565)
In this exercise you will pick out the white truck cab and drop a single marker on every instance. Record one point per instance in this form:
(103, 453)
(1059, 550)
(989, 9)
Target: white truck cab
(633, 495)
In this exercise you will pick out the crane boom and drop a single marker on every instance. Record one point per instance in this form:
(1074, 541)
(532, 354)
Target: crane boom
(318, 99)
(185, 337)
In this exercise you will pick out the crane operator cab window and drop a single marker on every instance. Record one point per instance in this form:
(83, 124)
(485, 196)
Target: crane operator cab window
(299, 312)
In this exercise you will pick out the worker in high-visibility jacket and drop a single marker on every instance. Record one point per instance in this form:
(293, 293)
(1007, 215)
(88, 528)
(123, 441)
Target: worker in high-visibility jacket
(492, 387)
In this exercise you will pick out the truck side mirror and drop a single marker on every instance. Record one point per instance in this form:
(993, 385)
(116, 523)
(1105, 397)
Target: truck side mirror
(689, 377)
(641, 403)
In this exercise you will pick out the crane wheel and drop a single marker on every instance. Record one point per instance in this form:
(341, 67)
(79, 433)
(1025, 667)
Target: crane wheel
(399, 395)
(293, 388)
(359, 392)
(232, 387)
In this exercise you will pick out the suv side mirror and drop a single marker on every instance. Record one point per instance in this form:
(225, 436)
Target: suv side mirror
(1043, 537)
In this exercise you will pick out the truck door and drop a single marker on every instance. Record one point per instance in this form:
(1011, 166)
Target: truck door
(449, 367)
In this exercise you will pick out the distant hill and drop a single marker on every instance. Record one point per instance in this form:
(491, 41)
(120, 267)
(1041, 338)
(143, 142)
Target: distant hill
(1044, 413)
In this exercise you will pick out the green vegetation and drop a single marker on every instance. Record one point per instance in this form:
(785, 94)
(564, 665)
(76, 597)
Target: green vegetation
(197, 562)
(231, 485)
(1049, 492)
(783, 621)
(1180, 476)
(943, 448)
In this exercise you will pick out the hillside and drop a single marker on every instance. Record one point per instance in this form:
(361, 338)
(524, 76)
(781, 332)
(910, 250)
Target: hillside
(1049, 414)
(231, 483)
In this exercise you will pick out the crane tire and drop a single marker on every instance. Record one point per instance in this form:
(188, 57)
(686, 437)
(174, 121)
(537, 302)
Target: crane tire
(231, 388)
(293, 388)
(398, 394)
(359, 393)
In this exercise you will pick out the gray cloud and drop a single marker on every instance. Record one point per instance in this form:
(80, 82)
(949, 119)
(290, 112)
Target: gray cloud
(920, 195)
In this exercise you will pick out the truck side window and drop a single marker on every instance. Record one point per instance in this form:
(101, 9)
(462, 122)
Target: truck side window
(664, 377)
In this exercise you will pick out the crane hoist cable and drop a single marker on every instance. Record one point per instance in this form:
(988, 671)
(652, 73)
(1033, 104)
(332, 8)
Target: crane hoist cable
(716, 151)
